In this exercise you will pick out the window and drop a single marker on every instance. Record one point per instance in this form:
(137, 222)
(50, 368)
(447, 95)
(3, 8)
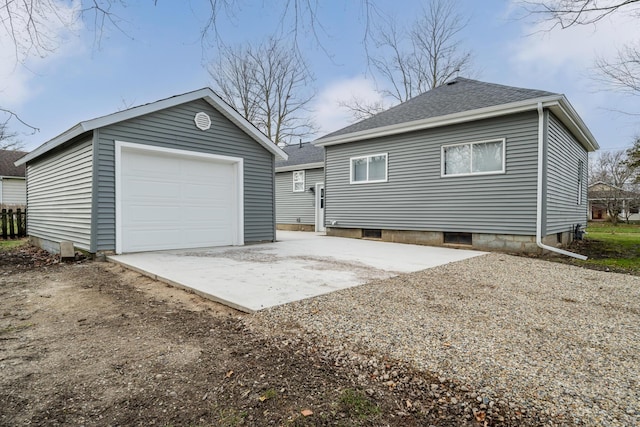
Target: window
(473, 158)
(580, 172)
(369, 169)
(298, 181)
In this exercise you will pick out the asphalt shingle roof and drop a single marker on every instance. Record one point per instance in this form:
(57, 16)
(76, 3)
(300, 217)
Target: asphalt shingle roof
(455, 96)
(7, 168)
(300, 154)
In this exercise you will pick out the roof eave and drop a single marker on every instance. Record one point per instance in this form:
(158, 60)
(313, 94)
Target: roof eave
(207, 94)
(301, 166)
(567, 111)
(68, 135)
(570, 118)
(235, 117)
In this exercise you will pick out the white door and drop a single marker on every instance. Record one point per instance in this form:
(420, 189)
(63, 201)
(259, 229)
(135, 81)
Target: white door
(173, 199)
(320, 207)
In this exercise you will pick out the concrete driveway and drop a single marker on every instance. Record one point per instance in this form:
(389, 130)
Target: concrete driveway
(299, 265)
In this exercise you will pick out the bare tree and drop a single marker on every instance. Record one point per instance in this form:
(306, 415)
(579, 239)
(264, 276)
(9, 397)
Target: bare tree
(37, 27)
(361, 109)
(32, 27)
(567, 13)
(633, 159)
(621, 72)
(235, 77)
(269, 84)
(412, 60)
(611, 178)
(423, 57)
(8, 139)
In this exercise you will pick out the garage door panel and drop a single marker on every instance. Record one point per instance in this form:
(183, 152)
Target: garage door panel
(211, 192)
(139, 214)
(208, 237)
(176, 202)
(150, 189)
(212, 214)
(151, 240)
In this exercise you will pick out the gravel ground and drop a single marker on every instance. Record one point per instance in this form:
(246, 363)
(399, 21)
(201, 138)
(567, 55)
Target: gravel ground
(534, 336)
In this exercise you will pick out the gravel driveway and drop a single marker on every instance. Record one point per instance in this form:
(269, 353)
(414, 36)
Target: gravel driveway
(534, 335)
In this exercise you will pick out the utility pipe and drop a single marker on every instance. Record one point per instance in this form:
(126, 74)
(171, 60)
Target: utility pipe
(540, 186)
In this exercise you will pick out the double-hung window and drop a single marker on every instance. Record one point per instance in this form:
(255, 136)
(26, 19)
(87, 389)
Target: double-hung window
(473, 158)
(371, 168)
(298, 181)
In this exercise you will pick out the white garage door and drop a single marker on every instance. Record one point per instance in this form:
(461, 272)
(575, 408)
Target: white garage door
(172, 199)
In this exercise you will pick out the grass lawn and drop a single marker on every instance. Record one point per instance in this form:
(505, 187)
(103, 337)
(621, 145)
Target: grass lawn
(614, 247)
(10, 244)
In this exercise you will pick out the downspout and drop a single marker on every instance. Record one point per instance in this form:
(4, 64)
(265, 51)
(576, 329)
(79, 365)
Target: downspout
(540, 186)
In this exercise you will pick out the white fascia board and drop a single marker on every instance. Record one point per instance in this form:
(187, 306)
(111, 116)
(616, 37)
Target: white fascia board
(206, 94)
(235, 117)
(563, 109)
(52, 143)
(570, 118)
(300, 167)
(432, 122)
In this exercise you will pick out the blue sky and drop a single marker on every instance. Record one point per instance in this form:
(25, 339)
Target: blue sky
(161, 55)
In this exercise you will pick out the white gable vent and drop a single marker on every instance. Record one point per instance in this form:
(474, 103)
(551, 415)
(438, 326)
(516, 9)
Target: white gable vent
(203, 121)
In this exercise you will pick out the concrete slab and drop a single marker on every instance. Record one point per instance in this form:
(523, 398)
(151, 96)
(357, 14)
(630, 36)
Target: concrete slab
(299, 265)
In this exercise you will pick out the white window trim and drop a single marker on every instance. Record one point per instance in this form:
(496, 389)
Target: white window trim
(504, 158)
(294, 181)
(367, 181)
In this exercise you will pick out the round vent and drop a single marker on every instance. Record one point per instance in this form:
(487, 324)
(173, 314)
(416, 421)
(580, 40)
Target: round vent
(203, 121)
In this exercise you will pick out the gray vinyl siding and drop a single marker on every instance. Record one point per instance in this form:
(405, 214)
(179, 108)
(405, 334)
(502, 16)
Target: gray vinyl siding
(564, 153)
(59, 196)
(416, 197)
(296, 207)
(174, 128)
(14, 192)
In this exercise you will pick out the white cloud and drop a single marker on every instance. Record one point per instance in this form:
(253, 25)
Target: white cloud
(19, 62)
(562, 60)
(546, 53)
(327, 111)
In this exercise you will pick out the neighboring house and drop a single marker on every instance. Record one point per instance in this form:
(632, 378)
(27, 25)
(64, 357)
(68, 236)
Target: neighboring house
(604, 198)
(479, 164)
(183, 172)
(300, 188)
(13, 193)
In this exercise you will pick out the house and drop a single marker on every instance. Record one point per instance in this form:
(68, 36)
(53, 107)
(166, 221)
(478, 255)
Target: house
(300, 188)
(468, 163)
(604, 199)
(13, 192)
(183, 172)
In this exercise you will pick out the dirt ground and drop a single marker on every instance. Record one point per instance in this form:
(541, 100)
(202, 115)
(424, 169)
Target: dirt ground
(88, 343)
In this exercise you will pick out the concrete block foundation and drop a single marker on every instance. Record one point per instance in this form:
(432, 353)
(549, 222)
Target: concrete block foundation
(480, 241)
(296, 227)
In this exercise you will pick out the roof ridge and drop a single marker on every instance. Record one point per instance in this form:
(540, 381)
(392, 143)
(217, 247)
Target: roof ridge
(456, 96)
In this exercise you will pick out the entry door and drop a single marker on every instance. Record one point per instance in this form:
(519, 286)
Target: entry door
(320, 207)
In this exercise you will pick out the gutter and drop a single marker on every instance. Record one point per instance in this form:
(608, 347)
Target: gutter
(539, 192)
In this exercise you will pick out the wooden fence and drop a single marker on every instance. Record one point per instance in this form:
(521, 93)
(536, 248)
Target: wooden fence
(14, 223)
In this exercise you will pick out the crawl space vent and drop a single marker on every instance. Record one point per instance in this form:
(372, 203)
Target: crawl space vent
(203, 121)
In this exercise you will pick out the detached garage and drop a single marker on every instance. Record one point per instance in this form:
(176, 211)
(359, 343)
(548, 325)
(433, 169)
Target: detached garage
(183, 172)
